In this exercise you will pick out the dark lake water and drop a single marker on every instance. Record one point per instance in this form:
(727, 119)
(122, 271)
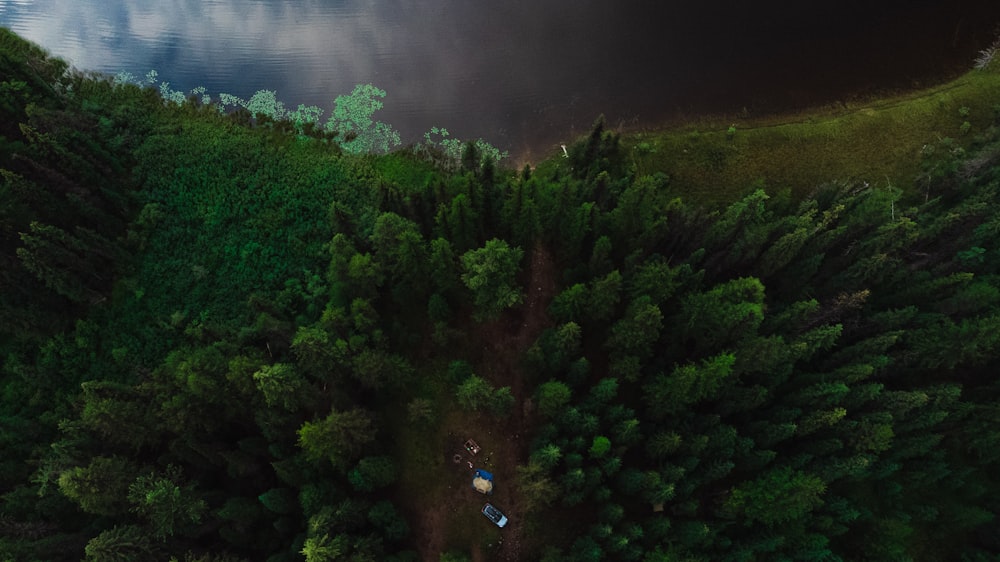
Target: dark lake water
(523, 74)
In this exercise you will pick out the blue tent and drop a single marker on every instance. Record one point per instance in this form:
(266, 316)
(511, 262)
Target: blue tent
(482, 482)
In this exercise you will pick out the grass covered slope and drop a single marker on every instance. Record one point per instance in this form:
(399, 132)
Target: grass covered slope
(894, 141)
(274, 349)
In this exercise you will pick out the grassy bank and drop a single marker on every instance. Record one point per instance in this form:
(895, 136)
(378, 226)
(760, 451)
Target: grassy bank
(878, 141)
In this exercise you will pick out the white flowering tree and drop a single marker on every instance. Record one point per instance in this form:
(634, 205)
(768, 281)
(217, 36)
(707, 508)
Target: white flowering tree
(352, 118)
(265, 102)
(453, 148)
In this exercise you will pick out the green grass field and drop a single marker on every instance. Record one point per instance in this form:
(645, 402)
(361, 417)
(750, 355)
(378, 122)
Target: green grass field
(879, 141)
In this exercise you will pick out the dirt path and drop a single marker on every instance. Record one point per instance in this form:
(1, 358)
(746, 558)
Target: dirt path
(439, 521)
(504, 343)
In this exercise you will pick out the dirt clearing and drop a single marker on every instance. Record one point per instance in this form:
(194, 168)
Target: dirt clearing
(447, 515)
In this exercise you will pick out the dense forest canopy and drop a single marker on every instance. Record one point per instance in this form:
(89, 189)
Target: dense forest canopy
(225, 337)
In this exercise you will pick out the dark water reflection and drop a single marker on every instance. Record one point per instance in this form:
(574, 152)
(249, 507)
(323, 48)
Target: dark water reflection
(523, 74)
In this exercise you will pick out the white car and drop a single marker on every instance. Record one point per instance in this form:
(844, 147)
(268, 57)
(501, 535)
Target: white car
(494, 515)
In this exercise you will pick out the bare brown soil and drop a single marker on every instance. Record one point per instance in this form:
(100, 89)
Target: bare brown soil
(454, 521)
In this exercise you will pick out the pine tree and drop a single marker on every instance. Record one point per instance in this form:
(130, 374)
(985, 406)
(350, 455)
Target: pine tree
(101, 487)
(474, 393)
(552, 397)
(490, 273)
(282, 386)
(687, 384)
(168, 506)
(339, 437)
(638, 330)
(781, 495)
(121, 544)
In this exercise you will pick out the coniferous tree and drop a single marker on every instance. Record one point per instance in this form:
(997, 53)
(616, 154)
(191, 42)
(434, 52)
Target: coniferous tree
(489, 273)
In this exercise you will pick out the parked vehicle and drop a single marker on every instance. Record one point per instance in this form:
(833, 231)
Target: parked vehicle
(494, 515)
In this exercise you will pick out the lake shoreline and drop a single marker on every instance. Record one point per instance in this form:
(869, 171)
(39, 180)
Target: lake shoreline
(886, 139)
(687, 120)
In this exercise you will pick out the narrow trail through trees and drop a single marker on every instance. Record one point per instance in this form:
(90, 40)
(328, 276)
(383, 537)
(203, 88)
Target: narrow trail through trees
(501, 344)
(504, 344)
